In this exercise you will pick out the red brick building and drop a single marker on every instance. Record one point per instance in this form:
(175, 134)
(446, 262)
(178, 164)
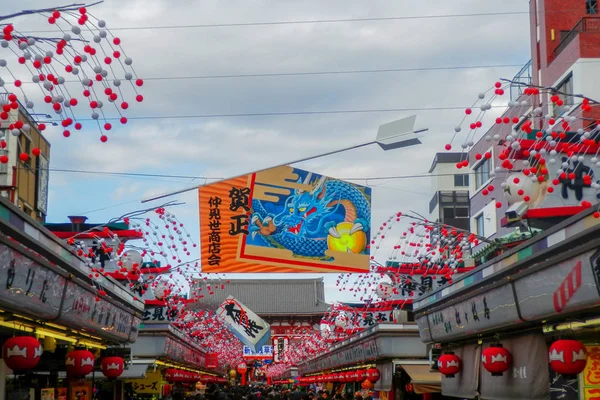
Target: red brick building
(565, 55)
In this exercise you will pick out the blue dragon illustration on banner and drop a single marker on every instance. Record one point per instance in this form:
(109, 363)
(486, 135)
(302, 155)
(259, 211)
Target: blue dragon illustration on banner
(333, 215)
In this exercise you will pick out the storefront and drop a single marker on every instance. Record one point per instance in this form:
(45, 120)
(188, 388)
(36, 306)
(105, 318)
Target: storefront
(387, 361)
(173, 364)
(523, 325)
(69, 322)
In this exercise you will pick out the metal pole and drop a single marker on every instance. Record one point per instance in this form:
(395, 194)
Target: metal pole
(162, 196)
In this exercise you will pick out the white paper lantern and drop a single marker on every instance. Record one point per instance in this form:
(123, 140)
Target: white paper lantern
(131, 258)
(384, 290)
(341, 320)
(517, 182)
(160, 289)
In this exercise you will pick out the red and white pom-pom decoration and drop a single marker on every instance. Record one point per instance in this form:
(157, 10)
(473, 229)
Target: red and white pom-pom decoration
(83, 75)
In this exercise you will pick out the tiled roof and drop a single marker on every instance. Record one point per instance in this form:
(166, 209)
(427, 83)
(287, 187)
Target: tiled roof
(265, 296)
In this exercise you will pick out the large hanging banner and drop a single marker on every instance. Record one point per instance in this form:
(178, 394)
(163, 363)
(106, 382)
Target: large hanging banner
(252, 330)
(284, 219)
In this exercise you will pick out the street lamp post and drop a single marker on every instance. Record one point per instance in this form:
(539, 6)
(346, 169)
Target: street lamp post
(393, 135)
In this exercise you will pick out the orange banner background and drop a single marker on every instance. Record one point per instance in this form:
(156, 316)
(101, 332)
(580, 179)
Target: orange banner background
(235, 256)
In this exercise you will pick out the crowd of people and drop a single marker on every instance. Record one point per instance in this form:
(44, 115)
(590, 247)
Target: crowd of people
(268, 393)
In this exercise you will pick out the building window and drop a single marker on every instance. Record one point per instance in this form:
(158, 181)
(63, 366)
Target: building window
(3, 167)
(591, 6)
(461, 212)
(447, 213)
(26, 148)
(565, 90)
(455, 212)
(482, 173)
(461, 180)
(479, 226)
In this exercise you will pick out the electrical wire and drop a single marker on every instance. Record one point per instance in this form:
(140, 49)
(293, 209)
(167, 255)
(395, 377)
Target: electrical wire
(313, 21)
(194, 177)
(317, 73)
(283, 113)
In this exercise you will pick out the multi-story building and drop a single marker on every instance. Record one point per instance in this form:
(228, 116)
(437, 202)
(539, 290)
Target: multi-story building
(25, 183)
(565, 55)
(565, 48)
(450, 202)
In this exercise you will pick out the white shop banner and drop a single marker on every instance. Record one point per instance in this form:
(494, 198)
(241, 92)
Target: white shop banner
(252, 330)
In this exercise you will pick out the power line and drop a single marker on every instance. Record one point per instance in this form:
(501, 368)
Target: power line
(283, 113)
(313, 73)
(313, 21)
(194, 177)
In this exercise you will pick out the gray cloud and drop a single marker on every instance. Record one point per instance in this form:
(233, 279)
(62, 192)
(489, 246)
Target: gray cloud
(197, 146)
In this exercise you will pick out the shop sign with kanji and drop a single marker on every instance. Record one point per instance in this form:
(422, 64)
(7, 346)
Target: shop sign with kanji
(159, 315)
(248, 327)
(591, 374)
(149, 385)
(265, 352)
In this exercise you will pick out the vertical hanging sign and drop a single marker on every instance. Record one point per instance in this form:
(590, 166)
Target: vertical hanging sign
(252, 331)
(280, 346)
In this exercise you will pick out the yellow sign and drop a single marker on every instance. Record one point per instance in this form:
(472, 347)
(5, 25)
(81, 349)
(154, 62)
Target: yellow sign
(591, 373)
(151, 384)
(591, 393)
(284, 219)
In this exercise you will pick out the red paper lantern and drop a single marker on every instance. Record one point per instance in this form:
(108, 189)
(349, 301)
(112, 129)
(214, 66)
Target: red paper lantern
(169, 374)
(568, 357)
(79, 363)
(449, 365)
(496, 359)
(212, 360)
(373, 375)
(362, 374)
(21, 353)
(112, 367)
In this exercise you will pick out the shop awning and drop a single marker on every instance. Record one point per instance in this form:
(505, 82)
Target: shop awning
(135, 371)
(422, 379)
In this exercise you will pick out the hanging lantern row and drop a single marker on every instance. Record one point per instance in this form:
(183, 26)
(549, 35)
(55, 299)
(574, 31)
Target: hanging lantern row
(173, 375)
(359, 375)
(22, 353)
(567, 357)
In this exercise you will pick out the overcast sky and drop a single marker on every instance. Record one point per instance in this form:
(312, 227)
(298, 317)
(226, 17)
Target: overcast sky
(225, 146)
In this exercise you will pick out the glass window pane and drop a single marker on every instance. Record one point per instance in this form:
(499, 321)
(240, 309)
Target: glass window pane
(448, 213)
(461, 212)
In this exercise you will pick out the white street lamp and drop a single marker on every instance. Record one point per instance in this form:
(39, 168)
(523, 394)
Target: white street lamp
(390, 136)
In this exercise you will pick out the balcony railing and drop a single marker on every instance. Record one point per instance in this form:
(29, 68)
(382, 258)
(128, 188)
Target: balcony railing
(522, 80)
(586, 24)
